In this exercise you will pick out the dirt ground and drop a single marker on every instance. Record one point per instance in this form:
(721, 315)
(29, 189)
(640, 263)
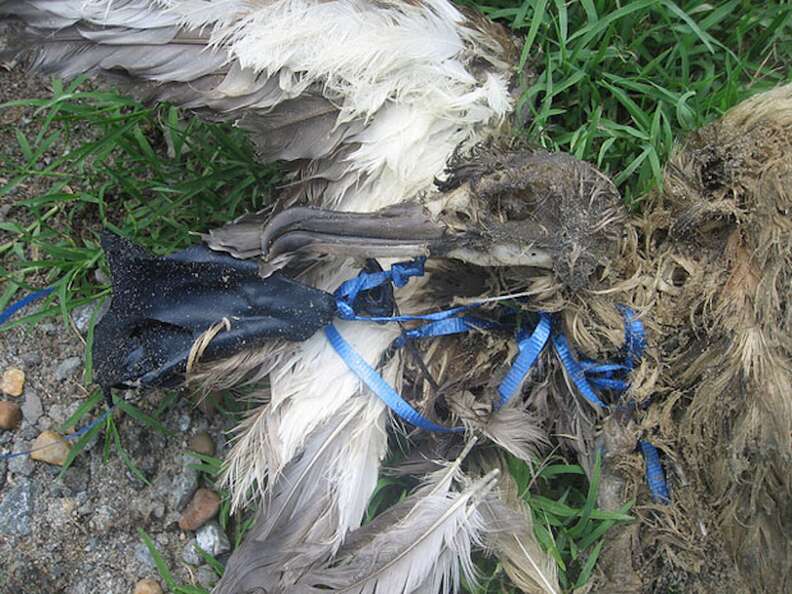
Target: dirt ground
(79, 534)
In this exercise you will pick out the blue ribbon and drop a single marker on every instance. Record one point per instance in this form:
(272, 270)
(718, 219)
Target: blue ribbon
(24, 302)
(634, 337)
(530, 347)
(449, 321)
(70, 437)
(444, 327)
(585, 374)
(575, 371)
(655, 476)
(369, 376)
(399, 275)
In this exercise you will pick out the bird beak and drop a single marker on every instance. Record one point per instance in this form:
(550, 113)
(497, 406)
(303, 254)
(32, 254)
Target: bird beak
(406, 230)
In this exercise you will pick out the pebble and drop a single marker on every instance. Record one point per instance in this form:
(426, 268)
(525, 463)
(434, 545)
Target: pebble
(202, 443)
(189, 555)
(202, 507)
(184, 423)
(81, 316)
(102, 519)
(61, 412)
(101, 277)
(16, 508)
(67, 367)
(183, 486)
(13, 382)
(206, 577)
(31, 359)
(28, 430)
(143, 555)
(10, 415)
(56, 450)
(48, 328)
(31, 408)
(44, 423)
(71, 483)
(21, 465)
(147, 586)
(212, 539)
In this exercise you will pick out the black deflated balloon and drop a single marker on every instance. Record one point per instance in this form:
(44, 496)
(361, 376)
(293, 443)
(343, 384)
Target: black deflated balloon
(161, 305)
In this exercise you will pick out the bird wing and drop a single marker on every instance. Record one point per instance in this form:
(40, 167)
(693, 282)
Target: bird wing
(348, 91)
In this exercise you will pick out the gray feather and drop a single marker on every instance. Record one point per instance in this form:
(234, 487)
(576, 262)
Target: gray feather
(293, 528)
(303, 128)
(144, 47)
(510, 535)
(425, 550)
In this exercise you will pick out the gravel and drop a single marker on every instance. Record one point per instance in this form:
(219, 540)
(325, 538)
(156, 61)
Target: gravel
(16, 508)
(189, 554)
(212, 539)
(67, 368)
(81, 316)
(31, 359)
(20, 465)
(31, 407)
(80, 533)
(182, 486)
(206, 577)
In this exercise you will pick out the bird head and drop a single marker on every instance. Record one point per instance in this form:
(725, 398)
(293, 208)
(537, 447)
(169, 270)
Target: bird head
(542, 211)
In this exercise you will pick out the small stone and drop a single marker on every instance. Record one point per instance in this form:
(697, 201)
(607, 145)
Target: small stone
(28, 430)
(81, 316)
(16, 507)
(31, 359)
(44, 423)
(202, 443)
(147, 586)
(10, 415)
(206, 577)
(183, 486)
(13, 382)
(212, 539)
(189, 555)
(48, 328)
(184, 423)
(143, 555)
(31, 408)
(68, 505)
(101, 277)
(102, 519)
(54, 449)
(202, 507)
(21, 465)
(59, 413)
(67, 367)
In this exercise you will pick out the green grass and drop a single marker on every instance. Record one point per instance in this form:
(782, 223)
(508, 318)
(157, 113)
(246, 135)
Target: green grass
(145, 174)
(619, 82)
